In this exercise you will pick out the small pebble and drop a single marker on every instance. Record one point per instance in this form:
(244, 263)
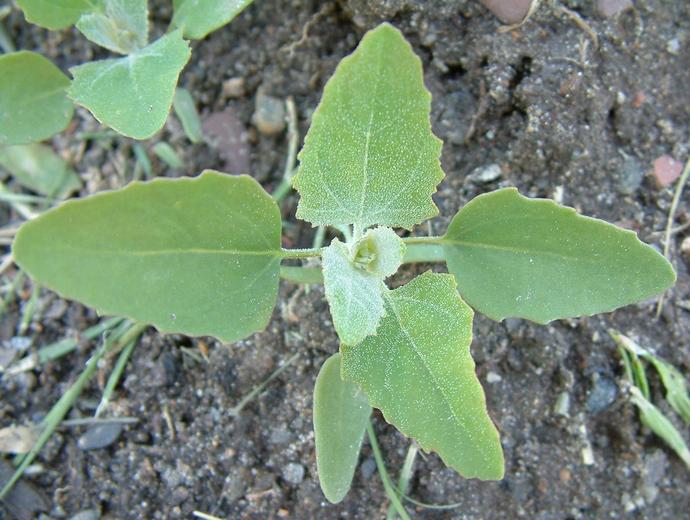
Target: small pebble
(88, 514)
(562, 406)
(673, 46)
(493, 377)
(20, 343)
(631, 176)
(234, 87)
(602, 395)
(269, 114)
(608, 8)
(227, 134)
(508, 11)
(99, 436)
(487, 173)
(666, 170)
(367, 468)
(293, 473)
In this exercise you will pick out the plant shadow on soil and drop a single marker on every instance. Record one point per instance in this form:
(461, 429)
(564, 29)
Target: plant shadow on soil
(556, 114)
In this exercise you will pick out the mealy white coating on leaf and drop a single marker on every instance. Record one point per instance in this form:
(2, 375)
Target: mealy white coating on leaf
(418, 371)
(370, 156)
(121, 27)
(381, 250)
(354, 295)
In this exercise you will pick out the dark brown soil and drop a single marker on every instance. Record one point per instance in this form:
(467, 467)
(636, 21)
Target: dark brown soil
(559, 115)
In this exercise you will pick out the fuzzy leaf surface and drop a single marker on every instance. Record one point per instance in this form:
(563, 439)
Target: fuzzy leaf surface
(355, 296)
(33, 98)
(55, 15)
(341, 412)
(122, 26)
(380, 251)
(198, 18)
(133, 94)
(418, 371)
(531, 258)
(198, 256)
(370, 156)
(38, 168)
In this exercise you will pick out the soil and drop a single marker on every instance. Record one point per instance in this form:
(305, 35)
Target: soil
(560, 115)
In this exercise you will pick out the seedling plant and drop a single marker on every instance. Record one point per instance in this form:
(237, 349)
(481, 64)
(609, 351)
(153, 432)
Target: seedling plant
(203, 256)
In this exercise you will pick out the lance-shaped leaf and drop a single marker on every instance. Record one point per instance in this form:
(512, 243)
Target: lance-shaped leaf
(355, 295)
(53, 14)
(531, 258)
(197, 18)
(40, 169)
(197, 256)
(370, 156)
(418, 371)
(33, 99)
(341, 412)
(133, 94)
(122, 26)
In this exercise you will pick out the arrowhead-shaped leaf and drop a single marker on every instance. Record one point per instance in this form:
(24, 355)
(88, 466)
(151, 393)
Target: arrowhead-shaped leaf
(531, 258)
(418, 371)
(40, 169)
(370, 156)
(341, 412)
(33, 99)
(197, 18)
(133, 94)
(53, 14)
(197, 256)
(122, 26)
(355, 295)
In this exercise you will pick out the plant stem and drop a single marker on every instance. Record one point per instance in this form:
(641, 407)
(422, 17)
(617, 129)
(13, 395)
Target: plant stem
(390, 490)
(669, 223)
(306, 275)
(405, 477)
(293, 138)
(423, 252)
(301, 253)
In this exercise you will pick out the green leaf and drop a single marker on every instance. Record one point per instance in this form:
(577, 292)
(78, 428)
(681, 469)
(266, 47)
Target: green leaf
(655, 420)
(53, 14)
(370, 156)
(38, 168)
(380, 251)
(33, 102)
(198, 18)
(121, 27)
(355, 296)
(531, 258)
(341, 412)
(132, 94)
(168, 155)
(183, 103)
(675, 385)
(196, 256)
(418, 371)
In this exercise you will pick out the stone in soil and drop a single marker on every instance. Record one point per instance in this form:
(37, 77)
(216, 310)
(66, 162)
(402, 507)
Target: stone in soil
(99, 436)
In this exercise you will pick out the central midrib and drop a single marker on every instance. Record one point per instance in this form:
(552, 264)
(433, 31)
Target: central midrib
(164, 252)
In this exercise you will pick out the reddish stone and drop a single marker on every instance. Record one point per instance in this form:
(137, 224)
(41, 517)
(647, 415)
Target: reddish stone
(508, 11)
(666, 170)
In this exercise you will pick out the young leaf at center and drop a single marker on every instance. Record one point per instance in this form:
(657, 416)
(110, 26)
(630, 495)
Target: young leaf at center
(353, 280)
(418, 371)
(341, 412)
(370, 156)
(196, 256)
(133, 94)
(531, 258)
